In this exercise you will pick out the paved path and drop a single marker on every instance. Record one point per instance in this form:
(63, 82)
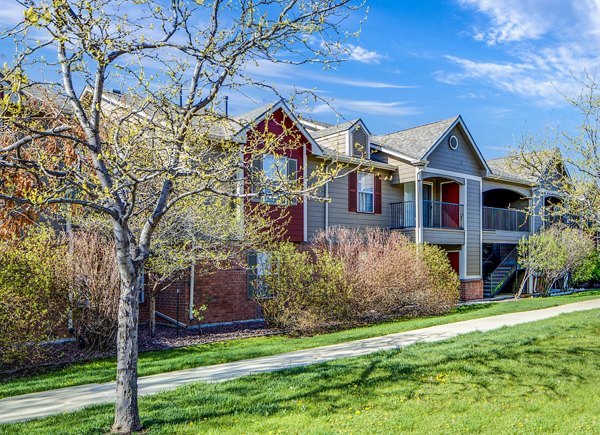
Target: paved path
(36, 405)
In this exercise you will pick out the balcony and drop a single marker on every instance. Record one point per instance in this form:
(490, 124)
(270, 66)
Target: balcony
(503, 219)
(436, 214)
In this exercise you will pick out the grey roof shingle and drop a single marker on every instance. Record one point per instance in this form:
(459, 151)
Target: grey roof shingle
(417, 141)
(333, 129)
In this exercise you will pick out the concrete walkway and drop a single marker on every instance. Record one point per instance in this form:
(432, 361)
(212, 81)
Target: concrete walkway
(36, 405)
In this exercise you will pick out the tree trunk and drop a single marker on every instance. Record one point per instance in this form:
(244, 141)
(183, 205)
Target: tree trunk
(127, 418)
(152, 314)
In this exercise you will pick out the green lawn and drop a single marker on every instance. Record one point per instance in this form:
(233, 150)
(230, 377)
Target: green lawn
(195, 356)
(541, 377)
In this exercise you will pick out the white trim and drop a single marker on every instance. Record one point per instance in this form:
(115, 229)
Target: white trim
(471, 277)
(305, 196)
(316, 148)
(348, 150)
(454, 174)
(480, 227)
(358, 193)
(418, 205)
(397, 154)
(460, 260)
(465, 189)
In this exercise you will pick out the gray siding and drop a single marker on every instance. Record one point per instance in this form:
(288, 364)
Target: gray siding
(511, 237)
(473, 228)
(443, 236)
(405, 172)
(336, 142)
(359, 141)
(338, 207)
(462, 160)
(521, 190)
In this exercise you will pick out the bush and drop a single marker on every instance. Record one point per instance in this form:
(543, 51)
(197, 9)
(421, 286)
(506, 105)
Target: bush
(356, 276)
(589, 272)
(95, 285)
(304, 291)
(33, 302)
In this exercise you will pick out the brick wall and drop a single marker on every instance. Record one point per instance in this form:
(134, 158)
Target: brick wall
(224, 292)
(471, 290)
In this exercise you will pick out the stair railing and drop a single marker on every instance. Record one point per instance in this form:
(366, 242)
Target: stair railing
(497, 278)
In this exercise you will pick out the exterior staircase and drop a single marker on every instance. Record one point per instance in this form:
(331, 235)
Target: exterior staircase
(501, 275)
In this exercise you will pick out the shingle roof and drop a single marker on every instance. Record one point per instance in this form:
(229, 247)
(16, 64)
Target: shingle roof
(509, 167)
(417, 141)
(333, 129)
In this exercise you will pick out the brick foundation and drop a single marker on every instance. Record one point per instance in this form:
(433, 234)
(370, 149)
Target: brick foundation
(471, 290)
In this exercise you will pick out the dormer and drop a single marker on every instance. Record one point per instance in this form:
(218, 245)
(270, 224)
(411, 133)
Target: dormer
(358, 139)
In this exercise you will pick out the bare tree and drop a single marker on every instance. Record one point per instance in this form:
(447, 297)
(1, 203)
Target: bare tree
(138, 154)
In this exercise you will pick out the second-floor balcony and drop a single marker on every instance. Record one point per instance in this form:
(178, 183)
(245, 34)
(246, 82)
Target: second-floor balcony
(436, 214)
(504, 219)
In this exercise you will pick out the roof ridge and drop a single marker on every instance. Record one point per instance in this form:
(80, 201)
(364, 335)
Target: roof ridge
(421, 125)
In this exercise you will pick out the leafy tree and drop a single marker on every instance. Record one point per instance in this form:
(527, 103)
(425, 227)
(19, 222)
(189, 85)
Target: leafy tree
(568, 161)
(134, 157)
(553, 254)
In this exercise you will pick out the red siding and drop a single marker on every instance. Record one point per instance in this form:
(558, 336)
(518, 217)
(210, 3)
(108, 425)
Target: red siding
(293, 218)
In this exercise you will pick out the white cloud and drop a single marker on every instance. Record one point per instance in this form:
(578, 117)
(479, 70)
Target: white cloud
(368, 107)
(361, 54)
(268, 69)
(11, 12)
(518, 20)
(549, 45)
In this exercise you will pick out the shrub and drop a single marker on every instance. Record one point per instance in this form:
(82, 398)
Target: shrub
(389, 275)
(589, 272)
(95, 285)
(356, 276)
(304, 291)
(33, 293)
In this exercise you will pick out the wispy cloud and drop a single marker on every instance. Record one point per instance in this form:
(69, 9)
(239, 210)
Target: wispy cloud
(549, 44)
(268, 69)
(11, 12)
(368, 107)
(361, 54)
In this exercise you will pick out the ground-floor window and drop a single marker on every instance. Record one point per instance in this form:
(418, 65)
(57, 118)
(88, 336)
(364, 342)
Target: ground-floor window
(259, 269)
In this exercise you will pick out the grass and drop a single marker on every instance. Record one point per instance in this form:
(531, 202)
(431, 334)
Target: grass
(540, 377)
(201, 355)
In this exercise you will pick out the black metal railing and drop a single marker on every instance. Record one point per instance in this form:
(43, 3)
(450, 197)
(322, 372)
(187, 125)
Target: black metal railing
(436, 214)
(403, 215)
(505, 219)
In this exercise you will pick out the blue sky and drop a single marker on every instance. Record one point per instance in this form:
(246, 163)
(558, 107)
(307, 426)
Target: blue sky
(502, 65)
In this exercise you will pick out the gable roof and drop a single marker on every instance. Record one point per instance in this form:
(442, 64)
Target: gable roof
(418, 143)
(415, 142)
(549, 163)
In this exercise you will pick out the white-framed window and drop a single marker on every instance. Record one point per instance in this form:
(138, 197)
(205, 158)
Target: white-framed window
(366, 192)
(260, 268)
(278, 170)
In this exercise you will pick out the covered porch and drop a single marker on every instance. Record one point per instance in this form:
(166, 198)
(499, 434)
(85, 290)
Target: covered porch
(432, 202)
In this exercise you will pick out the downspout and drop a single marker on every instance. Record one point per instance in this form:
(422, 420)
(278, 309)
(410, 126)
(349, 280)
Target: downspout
(327, 202)
(192, 285)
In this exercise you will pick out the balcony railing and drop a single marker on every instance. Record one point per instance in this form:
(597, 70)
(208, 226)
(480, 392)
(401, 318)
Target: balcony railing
(436, 214)
(504, 219)
(403, 215)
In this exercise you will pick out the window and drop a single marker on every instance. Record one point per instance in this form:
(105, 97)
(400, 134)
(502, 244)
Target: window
(366, 192)
(259, 269)
(277, 170)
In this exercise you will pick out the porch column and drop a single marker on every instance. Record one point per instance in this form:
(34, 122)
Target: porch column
(419, 205)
